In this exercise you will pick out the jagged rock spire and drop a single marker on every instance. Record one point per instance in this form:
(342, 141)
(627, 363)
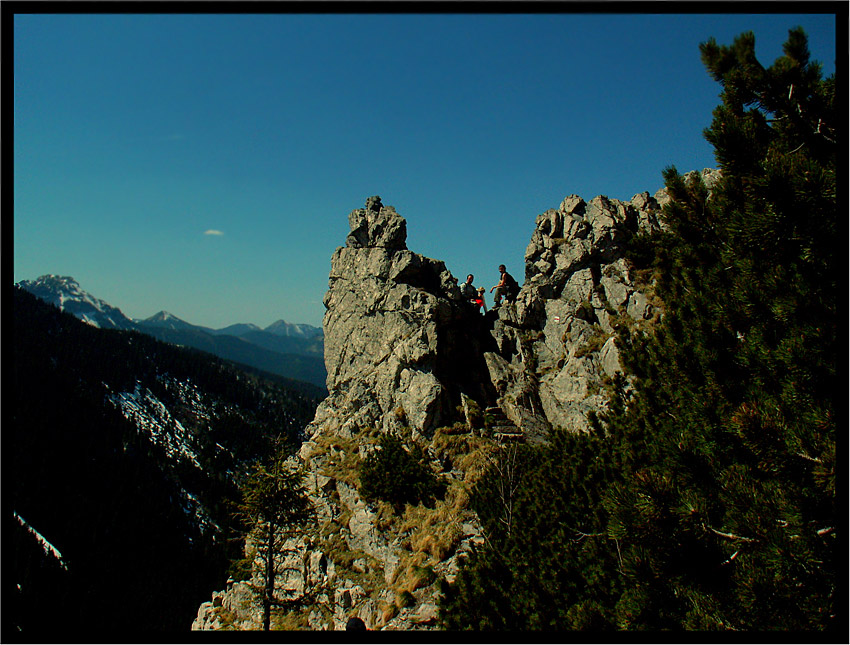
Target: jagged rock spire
(391, 328)
(377, 226)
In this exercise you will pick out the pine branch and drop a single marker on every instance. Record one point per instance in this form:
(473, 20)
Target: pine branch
(731, 557)
(619, 556)
(820, 122)
(730, 536)
(583, 535)
(803, 455)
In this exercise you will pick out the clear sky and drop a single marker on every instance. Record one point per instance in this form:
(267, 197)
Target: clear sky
(206, 164)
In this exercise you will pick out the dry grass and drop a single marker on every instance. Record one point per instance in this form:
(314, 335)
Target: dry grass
(475, 462)
(429, 535)
(337, 549)
(433, 534)
(295, 620)
(412, 573)
(436, 532)
(468, 452)
(385, 517)
(405, 599)
(388, 611)
(450, 442)
(343, 455)
(646, 281)
(226, 618)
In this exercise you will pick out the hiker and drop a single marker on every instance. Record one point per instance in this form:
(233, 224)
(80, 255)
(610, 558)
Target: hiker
(467, 290)
(507, 287)
(479, 300)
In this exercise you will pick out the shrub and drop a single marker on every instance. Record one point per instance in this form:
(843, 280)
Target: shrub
(241, 569)
(594, 342)
(397, 476)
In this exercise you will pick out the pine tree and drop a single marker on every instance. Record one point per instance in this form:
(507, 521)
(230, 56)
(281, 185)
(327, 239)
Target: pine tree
(398, 475)
(729, 512)
(705, 498)
(274, 506)
(544, 564)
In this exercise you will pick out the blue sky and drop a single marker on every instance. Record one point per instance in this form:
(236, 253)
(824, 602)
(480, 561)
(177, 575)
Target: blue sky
(206, 164)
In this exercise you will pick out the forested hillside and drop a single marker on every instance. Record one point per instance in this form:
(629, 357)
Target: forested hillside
(283, 356)
(123, 453)
(705, 498)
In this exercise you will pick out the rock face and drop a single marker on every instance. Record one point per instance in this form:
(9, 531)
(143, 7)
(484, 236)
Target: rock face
(558, 345)
(578, 286)
(405, 354)
(400, 345)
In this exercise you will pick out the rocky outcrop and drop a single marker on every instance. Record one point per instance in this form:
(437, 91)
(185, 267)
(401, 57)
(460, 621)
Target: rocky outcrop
(578, 286)
(405, 354)
(400, 345)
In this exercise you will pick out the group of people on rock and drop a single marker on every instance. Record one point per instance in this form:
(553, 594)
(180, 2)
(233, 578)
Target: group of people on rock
(507, 288)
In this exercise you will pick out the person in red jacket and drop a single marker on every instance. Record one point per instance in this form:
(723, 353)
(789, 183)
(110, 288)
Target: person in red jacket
(479, 300)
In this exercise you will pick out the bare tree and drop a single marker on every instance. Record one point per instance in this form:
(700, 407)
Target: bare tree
(507, 469)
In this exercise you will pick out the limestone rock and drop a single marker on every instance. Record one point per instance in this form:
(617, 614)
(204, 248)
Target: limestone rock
(609, 358)
(377, 226)
(556, 343)
(709, 176)
(395, 329)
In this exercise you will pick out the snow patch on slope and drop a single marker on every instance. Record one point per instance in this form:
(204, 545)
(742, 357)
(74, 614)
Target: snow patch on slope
(49, 549)
(150, 415)
(153, 418)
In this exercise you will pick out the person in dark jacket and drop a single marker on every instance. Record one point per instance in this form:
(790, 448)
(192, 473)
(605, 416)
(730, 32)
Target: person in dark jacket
(507, 287)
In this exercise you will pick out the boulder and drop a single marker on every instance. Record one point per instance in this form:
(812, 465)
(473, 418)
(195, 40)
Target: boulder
(609, 358)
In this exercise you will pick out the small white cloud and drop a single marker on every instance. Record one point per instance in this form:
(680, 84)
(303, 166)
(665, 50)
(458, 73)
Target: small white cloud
(212, 231)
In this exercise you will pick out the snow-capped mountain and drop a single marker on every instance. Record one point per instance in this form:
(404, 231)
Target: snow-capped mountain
(291, 350)
(166, 320)
(238, 330)
(290, 330)
(65, 293)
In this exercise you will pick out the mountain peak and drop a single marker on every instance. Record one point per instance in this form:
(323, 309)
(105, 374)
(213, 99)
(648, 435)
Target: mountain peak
(163, 316)
(167, 320)
(65, 292)
(56, 284)
(283, 328)
(238, 329)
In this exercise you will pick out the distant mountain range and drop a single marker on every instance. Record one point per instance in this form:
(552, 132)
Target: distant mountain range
(125, 455)
(281, 328)
(292, 350)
